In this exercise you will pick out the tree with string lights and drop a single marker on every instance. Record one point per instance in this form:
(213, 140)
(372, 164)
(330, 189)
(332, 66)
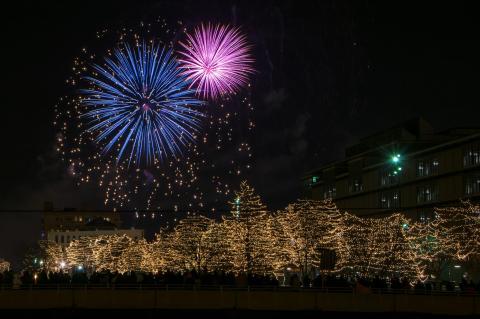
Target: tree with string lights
(306, 235)
(223, 240)
(54, 255)
(458, 230)
(187, 246)
(451, 236)
(376, 246)
(4, 265)
(255, 238)
(80, 252)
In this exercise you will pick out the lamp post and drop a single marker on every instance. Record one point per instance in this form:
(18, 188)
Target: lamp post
(396, 163)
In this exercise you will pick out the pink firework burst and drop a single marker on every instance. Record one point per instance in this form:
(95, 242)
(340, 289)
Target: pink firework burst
(217, 60)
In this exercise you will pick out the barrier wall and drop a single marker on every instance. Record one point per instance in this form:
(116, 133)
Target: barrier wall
(241, 300)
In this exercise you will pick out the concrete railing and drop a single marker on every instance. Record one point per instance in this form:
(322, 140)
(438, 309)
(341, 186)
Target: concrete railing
(237, 299)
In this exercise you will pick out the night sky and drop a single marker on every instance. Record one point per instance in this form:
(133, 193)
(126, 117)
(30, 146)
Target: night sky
(329, 72)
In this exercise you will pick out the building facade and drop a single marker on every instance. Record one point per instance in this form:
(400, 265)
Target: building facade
(65, 226)
(408, 168)
(66, 236)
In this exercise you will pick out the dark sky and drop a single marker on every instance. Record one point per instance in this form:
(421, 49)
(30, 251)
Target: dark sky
(329, 72)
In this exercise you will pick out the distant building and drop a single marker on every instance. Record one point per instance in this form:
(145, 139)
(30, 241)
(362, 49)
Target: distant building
(64, 226)
(408, 168)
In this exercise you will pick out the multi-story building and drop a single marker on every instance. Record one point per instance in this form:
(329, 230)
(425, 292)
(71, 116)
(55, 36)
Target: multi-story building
(408, 168)
(69, 224)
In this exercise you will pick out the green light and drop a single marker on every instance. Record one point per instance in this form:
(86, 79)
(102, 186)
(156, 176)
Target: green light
(314, 179)
(399, 168)
(405, 226)
(395, 158)
(237, 201)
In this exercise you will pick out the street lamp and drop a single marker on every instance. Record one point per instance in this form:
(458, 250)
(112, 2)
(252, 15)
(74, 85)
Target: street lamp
(396, 161)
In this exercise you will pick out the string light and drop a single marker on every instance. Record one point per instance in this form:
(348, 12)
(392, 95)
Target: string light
(301, 238)
(4, 266)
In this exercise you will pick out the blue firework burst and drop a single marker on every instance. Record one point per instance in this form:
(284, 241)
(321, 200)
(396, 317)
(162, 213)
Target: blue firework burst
(139, 106)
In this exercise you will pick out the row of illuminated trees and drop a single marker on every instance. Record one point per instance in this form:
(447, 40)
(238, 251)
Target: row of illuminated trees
(308, 237)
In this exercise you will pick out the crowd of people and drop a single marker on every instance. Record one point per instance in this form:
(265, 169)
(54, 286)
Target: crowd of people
(112, 279)
(204, 280)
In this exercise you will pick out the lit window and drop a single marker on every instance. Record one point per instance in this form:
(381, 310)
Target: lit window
(355, 185)
(471, 155)
(427, 193)
(423, 217)
(472, 185)
(435, 166)
(330, 191)
(390, 199)
(420, 168)
(387, 177)
(427, 167)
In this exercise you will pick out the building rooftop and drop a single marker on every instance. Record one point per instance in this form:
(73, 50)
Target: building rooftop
(406, 138)
(99, 223)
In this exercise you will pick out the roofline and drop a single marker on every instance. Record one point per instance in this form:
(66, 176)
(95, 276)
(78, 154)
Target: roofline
(454, 141)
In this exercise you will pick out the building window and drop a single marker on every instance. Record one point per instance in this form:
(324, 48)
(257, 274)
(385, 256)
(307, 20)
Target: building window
(388, 178)
(390, 199)
(427, 193)
(472, 185)
(68, 239)
(355, 185)
(56, 238)
(420, 168)
(471, 156)
(62, 239)
(427, 167)
(330, 191)
(424, 217)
